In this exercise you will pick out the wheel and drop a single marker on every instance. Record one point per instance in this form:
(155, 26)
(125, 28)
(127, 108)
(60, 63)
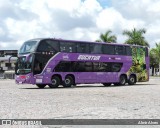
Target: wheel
(68, 82)
(122, 80)
(55, 82)
(40, 85)
(132, 80)
(107, 84)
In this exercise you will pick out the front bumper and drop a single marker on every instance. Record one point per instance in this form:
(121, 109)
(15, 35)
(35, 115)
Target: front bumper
(30, 79)
(25, 79)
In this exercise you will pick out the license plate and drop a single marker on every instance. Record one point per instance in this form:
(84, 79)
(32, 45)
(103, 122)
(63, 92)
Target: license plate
(38, 80)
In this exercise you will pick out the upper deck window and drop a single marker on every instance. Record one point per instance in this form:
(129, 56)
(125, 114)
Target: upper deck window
(82, 47)
(67, 47)
(96, 48)
(28, 47)
(119, 50)
(128, 51)
(48, 46)
(108, 49)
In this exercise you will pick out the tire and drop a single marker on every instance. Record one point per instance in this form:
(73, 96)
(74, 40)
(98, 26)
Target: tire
(122, 80)
(55, 82)
(107, 84)
(68, 82)
(40, 85)
(132, 80)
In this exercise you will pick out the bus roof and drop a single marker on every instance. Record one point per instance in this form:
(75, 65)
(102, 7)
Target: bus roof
(80, 41)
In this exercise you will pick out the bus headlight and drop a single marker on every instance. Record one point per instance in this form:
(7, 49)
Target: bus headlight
(27, 77)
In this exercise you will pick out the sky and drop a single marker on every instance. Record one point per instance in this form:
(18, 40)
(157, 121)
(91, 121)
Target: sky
(21, 20)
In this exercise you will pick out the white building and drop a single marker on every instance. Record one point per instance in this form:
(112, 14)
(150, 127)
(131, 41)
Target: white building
(7, 63)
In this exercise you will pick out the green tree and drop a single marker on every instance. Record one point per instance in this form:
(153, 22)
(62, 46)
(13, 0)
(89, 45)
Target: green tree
(107, 37)
(136, 37)
(153, 60)
(156, 54)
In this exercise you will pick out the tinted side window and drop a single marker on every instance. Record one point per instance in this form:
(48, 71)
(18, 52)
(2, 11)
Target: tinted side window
(63, 66)
(108, 49)
(74, 66)
(119, 50)
(107, 67)
(128, 51)
(48, 46)
(96, 48)
(79, 67)
(96, 66)
(40, 62)
(67, 47)
(82, 48)
(116, 67)
(88, 66)
(102, 67)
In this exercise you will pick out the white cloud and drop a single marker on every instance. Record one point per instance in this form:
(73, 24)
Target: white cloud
(109, 19)
(154, 7)
(67, 5)
(2, 33)
(75, 19)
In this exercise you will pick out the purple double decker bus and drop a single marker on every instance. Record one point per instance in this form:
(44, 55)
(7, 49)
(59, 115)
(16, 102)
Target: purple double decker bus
(55, 62)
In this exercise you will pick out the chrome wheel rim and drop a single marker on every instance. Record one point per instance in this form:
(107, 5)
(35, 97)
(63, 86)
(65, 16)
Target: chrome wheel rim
(54, 82)
(132, 80)
(123, 81)
(67, 81)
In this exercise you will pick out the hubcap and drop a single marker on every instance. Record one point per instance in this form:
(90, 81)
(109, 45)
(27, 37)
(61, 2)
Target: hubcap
(123, 81)
(132, 79)
(54, 81)
(67, 81)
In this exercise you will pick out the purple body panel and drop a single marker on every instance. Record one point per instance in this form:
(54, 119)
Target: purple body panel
(80, 77)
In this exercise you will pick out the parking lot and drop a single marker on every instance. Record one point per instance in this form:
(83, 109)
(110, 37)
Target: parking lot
(91, 101)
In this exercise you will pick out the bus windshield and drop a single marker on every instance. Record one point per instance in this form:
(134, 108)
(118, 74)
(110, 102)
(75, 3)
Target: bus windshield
(28, 47)
(23, 66)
